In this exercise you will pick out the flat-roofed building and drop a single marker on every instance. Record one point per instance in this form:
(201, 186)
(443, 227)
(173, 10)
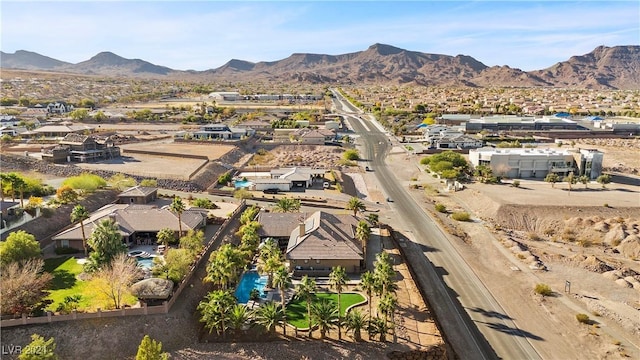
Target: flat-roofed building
(537, 163)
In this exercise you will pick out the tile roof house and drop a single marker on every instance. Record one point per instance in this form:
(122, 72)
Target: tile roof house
(323, 241)
(137, 223)
(279, 226)
(138, 195)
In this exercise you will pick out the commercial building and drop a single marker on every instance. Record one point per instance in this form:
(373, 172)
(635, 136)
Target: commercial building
(537, 163)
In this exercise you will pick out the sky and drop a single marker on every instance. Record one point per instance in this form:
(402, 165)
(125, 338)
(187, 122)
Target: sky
(201, 35)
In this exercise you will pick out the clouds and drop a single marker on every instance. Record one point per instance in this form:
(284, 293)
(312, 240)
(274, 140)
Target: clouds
(203, 35)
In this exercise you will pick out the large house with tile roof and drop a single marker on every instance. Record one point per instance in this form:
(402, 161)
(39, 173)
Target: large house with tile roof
(137, 223)
(323, 241)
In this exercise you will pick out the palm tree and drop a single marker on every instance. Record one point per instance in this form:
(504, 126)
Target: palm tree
(325, 314)
(238, 317)
(383, 271)
(287, 205)
(386, 306)
(215, 310)
(4, 179)
(177, 206)
(374, 219)
(368, 284)
(282, 280)
(306, 289)
(80, 213)
(218, 271)
(19, 184)
(363, 232)
(378, 326)
(269, 315)
(338, 279)
(165, 236)
(355, 205)
(355, 321)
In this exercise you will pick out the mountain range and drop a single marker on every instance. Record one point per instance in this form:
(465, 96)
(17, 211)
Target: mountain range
(616, 67)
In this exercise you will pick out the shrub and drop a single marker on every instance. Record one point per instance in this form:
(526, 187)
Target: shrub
(543, 289)
(533, 236)
(204, 203)
(441, 208)
(85, 182)
(606, 205)
(515, 183)
(461, 216)
(351, 154)
(66, 250)
(224, 178)
(583, 318)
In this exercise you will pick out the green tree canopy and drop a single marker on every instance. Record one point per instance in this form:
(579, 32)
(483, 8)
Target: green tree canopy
(19, 246)
(150, 349)
(106, 243)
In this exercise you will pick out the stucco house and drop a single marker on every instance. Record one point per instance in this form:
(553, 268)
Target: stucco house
(137, 223)
(323, 241)
(138, 195)
(286, 179)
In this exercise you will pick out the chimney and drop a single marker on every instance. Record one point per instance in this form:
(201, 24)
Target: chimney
(302, 229)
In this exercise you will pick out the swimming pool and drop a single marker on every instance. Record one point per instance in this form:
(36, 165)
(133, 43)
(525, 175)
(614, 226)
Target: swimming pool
(242, 184)
(145, 263)
(250, 280)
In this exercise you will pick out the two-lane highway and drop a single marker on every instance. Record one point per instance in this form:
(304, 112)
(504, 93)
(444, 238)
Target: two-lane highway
(486, 331)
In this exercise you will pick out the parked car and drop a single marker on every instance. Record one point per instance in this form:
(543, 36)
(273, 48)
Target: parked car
(326, 185)
(270, 191)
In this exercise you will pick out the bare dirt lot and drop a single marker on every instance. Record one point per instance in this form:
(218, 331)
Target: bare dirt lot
(212, 151)
(538, 234)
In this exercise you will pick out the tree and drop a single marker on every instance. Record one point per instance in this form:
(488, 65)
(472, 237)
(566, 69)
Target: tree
(178, 207)
(66, 194)
(39, 349)
(373, 219)
(383, 271)
(368, 284)
(603, 179)
(363, 232)
(355, 321)
(100, 116)
(552, 178)
(80, 213)
(19, 184)
(387, 306)
(176, 265)
(570, 179)
(305, 290)
(115, 278)
(150, 349)
(585, 180)
(282, 280)
(23, 286)
(269, 315)
(166, 236)
(238, 317)
(325, 314)
(79, 114)
(378, 326)
(193, 242)
(287, 205)
(106, 243)
(355, 205)
(19, 246)
(338, 279)
(215, 310)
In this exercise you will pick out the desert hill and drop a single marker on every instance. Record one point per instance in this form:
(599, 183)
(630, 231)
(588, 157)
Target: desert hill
(615, 67)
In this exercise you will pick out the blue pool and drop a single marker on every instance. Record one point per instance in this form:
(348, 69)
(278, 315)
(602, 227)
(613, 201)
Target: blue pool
(249, 281)
(145, 263)
(242, 184)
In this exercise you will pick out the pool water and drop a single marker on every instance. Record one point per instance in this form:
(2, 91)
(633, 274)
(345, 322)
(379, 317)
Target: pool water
(242, 184)
(145, 263)
(250, 280)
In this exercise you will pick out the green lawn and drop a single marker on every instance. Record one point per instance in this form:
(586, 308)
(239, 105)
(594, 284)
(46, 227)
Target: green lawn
(65, 283)
(297, 308)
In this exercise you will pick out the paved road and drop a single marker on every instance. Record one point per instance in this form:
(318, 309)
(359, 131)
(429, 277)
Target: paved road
(474, 323)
